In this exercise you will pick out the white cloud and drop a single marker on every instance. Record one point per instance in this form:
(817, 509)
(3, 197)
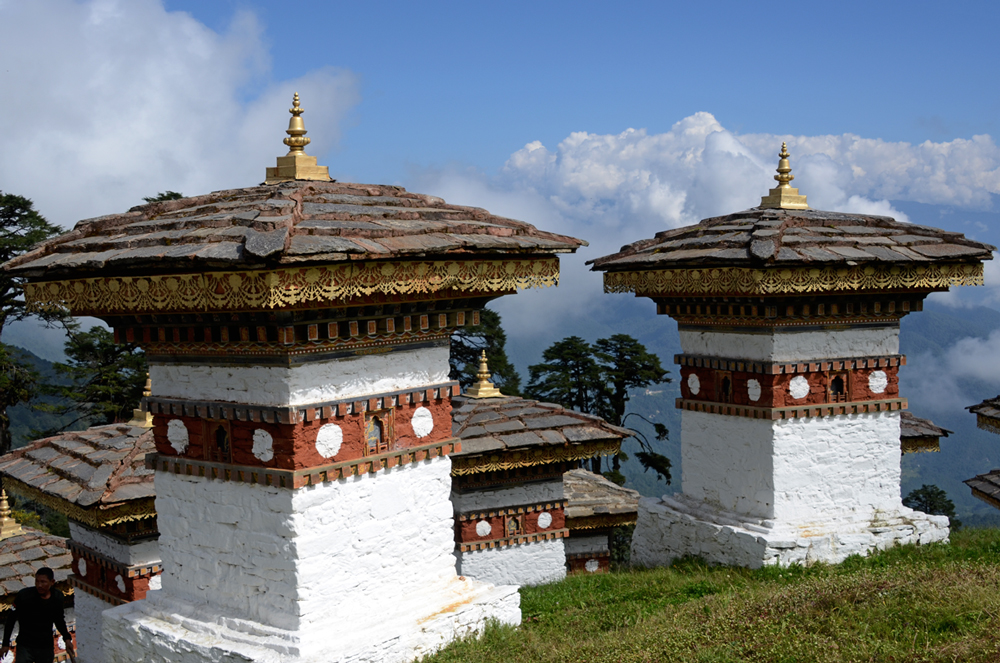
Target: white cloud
(958, 375)
(111, 100)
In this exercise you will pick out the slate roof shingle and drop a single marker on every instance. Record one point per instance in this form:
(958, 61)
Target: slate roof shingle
(21, 556)
(293, 223)
(782, 237)
(589, 494)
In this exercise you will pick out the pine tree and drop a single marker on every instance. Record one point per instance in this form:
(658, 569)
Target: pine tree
(933, 501)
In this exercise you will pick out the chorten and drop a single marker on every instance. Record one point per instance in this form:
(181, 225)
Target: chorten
(297, 335)
(789, 325)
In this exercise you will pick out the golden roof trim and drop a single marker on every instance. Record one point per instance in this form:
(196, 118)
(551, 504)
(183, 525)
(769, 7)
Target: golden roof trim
(286, 287)
(601, 521)
(792, 280)
(511, 459)
(96, 517)
(988, 423)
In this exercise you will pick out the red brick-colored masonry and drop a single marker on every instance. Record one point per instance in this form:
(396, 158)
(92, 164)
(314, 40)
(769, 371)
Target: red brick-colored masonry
(774, 389)
(101, 578)
(510, 524)
(577, 563)
(294, 444)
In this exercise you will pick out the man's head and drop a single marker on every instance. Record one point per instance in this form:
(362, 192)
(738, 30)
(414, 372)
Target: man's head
(44, 579)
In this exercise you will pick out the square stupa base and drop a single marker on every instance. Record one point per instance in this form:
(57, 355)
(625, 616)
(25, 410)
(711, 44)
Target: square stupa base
(677, 526)
(163, 630)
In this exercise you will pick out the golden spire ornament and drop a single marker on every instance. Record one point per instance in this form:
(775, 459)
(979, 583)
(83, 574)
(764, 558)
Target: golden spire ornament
(8, 526)
(297, 165)
(141, 416)
(784, 196)
(483, 388)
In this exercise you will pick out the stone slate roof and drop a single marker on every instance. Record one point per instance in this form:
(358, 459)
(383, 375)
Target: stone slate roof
(761, 237)
(94, 469)
(21, 556)
(590, 494)
(990, 408)
(293, 223)
(912, 426)
(986, 487)
(512, 423)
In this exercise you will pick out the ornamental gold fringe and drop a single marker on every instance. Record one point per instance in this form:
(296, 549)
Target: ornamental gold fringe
(602, 521)
(988, 423)
(511, 459)
(96, 517)
(913, 445)
(286, 287)
(777, 280)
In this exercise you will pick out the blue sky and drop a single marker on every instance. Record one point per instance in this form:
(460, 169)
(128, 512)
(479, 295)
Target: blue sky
(607, 121)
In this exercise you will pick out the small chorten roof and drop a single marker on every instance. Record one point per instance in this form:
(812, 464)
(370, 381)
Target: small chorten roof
(299, 217)
(987, 414)
(986, 487)
(23, 551)
(96, 476)
(594, 501)
(916, 434)
(784, 232)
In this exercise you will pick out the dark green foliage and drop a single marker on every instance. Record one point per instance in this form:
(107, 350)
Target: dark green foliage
(598, 379)
(21, 227)
(25, 418)
(104, 379)
(467, 343)
(620, 543)
(932, 500)
(163, 196)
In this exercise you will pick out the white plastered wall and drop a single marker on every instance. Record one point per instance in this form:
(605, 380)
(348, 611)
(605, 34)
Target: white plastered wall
(334, 553)
(141, 552)
(301, 385)
(88, 610)
(534, 563)
(793, 345)
(500, 498)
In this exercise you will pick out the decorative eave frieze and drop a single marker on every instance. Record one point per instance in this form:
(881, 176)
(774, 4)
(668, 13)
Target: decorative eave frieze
(293, 479)
(540, 455)
(736, 281)
(779, 368)
(795, 411)
(300, 413)
(601, 521)
(287, 288)
(991, 424)
(98, 518)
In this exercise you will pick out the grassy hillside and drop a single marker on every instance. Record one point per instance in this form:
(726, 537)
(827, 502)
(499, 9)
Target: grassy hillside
(914, 603)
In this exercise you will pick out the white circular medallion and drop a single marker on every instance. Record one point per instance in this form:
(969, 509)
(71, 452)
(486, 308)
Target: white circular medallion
(694, 384)
(121, 583)
(422, 422)
(798, 387)
(483, 528)
(592, 565)
(328, 440)
(81, 567)
(544, 520)
(263, 445)
(60, 643)
(156, 582)
(753, 389)
(878, 381)
(177, 435)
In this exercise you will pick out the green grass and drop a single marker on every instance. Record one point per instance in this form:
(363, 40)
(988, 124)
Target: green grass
(912, 603)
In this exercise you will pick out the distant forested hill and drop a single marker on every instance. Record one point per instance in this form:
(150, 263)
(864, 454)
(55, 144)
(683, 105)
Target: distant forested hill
(24, 418)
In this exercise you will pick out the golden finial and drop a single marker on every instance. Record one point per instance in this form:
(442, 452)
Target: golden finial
(784, 196)
(141, 416)
(297, 165)
(483, 388)
(8, 526)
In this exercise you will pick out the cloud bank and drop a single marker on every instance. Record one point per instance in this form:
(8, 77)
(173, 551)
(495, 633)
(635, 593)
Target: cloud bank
(107, 101)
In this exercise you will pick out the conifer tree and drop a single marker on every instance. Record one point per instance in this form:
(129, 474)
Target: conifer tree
(468, 342)
(933, 501)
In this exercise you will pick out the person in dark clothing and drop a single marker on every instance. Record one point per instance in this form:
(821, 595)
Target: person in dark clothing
(37, 609)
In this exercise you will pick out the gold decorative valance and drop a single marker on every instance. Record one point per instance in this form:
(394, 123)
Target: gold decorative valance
(97, 518)
(792, 280)
(287, 287)
(543, 455)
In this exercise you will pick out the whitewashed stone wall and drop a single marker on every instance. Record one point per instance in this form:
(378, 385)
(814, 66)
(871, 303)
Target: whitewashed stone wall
(533, 563)
(500, 498)
(301, 385)
(141, 552)
(342, 565)
(793, 345)
(88, 610)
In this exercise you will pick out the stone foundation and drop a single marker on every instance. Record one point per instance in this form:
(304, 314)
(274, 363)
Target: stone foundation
(161, 630)
(678, 526)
